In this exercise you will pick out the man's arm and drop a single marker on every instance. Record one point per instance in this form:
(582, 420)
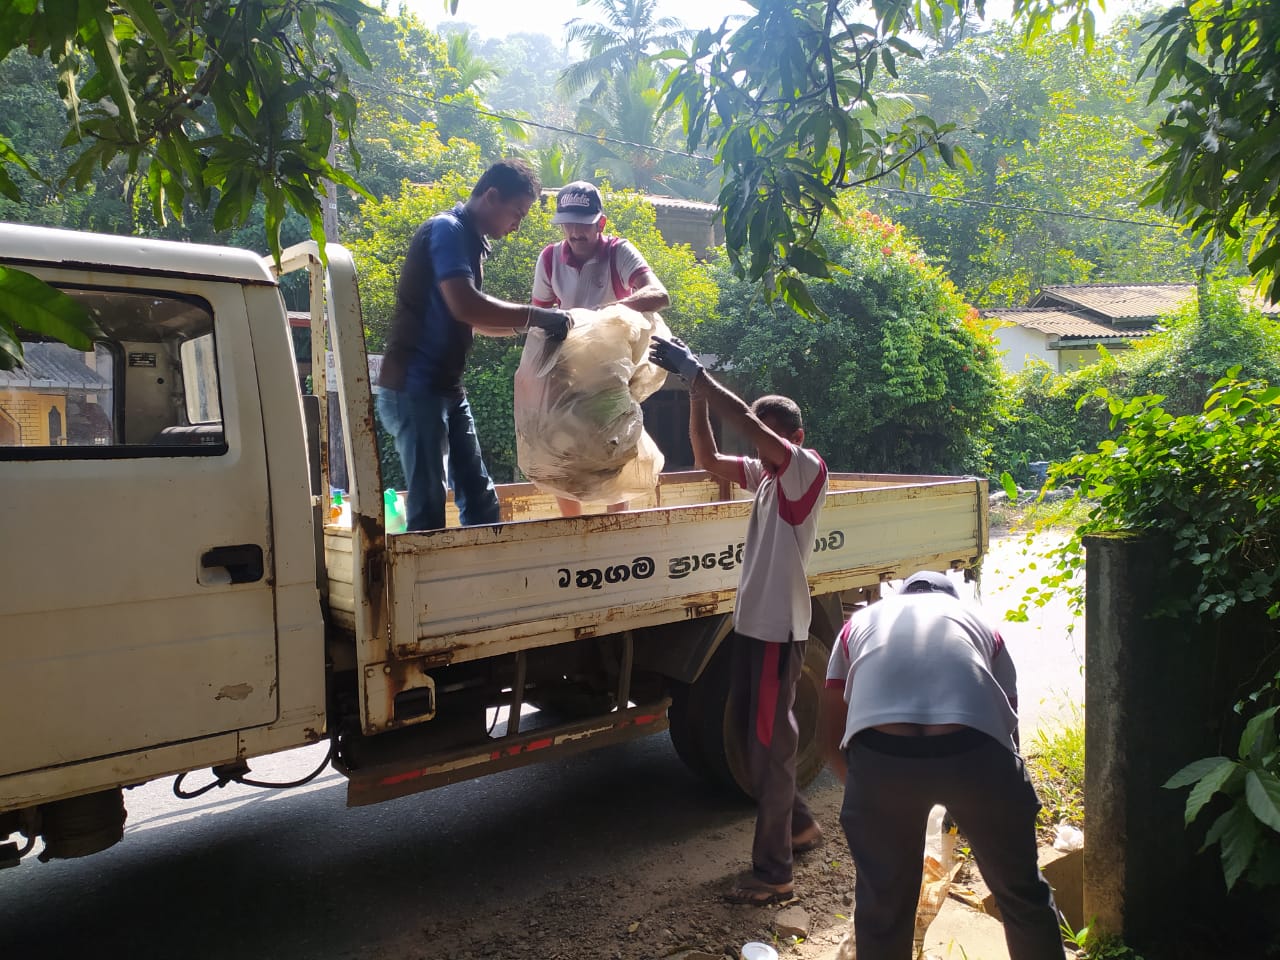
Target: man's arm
(730, 408)
(648, 295)
(831, 723)
(495, 317)
(706, 455)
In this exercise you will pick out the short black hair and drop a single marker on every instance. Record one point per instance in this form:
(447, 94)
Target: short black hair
(782, 410)
(511, 178)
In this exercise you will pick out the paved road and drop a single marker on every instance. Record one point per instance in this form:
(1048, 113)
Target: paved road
(268, 874)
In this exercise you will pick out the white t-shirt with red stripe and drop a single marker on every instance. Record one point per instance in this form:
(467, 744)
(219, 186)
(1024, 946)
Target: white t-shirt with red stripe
(613, 272)
(924, 658)
(773, 591)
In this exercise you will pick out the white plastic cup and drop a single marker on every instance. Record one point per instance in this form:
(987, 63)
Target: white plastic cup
(755, 950)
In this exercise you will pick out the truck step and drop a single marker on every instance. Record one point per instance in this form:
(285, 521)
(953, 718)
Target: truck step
(399, 777)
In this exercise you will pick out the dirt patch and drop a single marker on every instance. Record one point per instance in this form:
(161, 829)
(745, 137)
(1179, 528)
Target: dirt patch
(674, 907)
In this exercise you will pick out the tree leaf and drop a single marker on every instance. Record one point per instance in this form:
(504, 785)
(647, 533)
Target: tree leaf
(1262, 793)
(29, 302)
(1239, 840)
(1192, 771)
(1206, 787)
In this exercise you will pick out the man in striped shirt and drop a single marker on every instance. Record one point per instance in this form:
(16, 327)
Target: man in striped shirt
(772, 610)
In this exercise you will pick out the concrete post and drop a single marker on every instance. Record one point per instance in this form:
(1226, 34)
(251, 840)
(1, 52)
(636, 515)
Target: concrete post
(1157, 694)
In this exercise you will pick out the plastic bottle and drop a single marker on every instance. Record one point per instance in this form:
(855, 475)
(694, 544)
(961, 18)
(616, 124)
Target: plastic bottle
(340, 510)
(393, 512)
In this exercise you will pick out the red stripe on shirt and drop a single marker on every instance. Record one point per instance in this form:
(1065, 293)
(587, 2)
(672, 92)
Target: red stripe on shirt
(795, 512)
(833, 684)
(767, 698)
(844, 637)
(742, 472)
(999, 644)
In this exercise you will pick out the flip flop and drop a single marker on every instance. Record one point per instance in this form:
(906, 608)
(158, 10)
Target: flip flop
(754, 892)
(807, 840)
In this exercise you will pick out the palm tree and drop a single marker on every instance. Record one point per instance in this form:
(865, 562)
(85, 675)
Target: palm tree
(629, 35)
(628, 113)
(473, 71)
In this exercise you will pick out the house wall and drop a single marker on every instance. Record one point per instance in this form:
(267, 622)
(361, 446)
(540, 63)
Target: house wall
(1018, 345)
(1077, 358)
(30, 412)
(697, 227)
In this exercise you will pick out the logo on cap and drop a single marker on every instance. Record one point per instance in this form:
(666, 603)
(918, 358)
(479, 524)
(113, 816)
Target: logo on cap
(578, 202)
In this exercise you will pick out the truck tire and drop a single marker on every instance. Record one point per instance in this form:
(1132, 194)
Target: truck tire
(712, 745)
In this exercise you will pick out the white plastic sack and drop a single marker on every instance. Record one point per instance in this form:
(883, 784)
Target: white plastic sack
(579, 427)
(940, 869)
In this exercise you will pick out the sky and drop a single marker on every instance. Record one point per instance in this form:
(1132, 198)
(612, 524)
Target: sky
(498, 18)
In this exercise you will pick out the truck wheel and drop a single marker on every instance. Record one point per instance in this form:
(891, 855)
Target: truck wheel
(712, 745)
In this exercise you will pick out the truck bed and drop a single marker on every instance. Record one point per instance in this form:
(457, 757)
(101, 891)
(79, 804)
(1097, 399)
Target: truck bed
(538, 579)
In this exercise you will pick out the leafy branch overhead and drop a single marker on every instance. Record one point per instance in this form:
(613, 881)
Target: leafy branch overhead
(205, 103)
(788, 103)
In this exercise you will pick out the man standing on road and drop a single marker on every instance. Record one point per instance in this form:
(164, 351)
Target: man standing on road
(439, 307)
(920, 708)
(771, 616)
(590, 269)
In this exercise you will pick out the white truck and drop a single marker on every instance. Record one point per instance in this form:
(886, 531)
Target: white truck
(173, 596)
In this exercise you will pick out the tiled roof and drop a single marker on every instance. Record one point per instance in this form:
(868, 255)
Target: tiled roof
(1065, 325)
(1118, 301)
(53, 365)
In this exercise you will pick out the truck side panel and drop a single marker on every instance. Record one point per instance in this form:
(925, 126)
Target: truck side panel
(154, 623)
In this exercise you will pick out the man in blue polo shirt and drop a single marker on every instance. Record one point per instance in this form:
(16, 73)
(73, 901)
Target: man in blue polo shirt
(439, 307)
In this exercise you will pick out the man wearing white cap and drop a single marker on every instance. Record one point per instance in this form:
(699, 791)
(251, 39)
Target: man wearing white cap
(591, 269)
(920, 708)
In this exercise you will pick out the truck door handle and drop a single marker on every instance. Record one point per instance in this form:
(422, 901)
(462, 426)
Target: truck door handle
(241, 561)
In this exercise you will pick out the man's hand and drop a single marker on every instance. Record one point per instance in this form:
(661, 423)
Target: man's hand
(556, 324)
(674, 356)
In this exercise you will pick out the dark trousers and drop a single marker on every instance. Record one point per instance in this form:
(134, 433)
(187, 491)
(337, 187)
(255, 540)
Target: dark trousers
(893, 782)
(762, 696)
(429, 431)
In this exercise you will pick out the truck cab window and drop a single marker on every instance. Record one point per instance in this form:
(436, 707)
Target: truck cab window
(149, 387)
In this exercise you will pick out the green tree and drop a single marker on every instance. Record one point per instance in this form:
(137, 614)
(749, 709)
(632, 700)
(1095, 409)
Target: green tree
(1215, 64)
(1050, 128)
(789, 103)
(632, 137)
(901, 374)
(629, 34)
(136, 78)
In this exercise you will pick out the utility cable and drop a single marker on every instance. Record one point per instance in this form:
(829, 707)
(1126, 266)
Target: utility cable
(650, 148)
(224, 776)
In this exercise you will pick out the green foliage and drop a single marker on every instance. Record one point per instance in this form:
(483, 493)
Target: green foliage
(1055, 761)
(1208, 485)
(900, 376)
(27, 302)
(206, 103)
(789, 102)
(382, 236)
(1214, 63)
(1092, 944)
(1049, 127)
(1248, 831)
(1052, 416)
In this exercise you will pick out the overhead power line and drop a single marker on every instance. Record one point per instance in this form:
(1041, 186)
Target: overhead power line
(1023, 209)
(599, 138)
(650, 148)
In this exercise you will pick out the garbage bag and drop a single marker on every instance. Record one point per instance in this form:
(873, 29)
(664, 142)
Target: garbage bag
(940, 868)
(579, 427)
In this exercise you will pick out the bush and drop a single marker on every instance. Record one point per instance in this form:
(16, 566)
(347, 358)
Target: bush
(899, 376)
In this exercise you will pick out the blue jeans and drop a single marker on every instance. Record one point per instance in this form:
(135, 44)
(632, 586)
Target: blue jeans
(429, 430)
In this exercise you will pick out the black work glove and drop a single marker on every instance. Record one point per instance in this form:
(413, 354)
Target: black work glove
(556, 324)
(674, 356)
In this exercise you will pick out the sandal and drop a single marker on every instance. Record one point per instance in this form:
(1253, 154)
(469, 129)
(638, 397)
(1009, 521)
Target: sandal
(807, 840)
(752, 891)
